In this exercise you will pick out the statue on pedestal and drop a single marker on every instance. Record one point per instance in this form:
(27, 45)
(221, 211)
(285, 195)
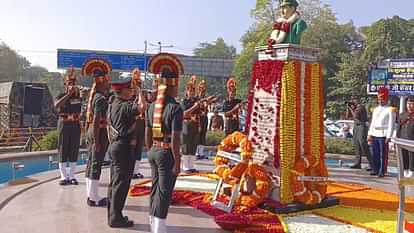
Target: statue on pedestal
(289, 27)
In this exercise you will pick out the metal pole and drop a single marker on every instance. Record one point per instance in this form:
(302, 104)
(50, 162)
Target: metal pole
(402, 103)
(146, 62)
(401, 205)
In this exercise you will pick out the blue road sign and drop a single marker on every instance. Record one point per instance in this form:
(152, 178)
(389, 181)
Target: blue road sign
(120, 61)
(398, 77)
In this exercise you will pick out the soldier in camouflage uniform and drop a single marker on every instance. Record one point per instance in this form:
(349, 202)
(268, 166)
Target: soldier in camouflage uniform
(231, 108)
(360, 132)
(68, 105)
(121, 124)
(202, 87)
(97, 137)
(191, 125)
(162, 136)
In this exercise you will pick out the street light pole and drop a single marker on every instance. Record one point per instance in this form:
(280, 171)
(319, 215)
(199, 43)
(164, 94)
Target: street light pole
(146, 62)
(160, 45)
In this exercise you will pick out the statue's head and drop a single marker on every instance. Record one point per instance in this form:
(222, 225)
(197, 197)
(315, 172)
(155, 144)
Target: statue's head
(288, 7)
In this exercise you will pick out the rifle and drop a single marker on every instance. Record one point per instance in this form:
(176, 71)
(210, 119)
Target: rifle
(236, 109)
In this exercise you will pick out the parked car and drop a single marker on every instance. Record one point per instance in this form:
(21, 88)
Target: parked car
(328, 133)
(332, 127)
(341, 124)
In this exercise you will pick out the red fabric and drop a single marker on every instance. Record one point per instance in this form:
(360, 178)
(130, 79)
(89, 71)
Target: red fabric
(285, 27)
(240, 219)
(277, 26)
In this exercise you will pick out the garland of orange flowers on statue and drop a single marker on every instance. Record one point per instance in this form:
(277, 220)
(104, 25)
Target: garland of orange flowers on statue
(244, 168)
(309, 163)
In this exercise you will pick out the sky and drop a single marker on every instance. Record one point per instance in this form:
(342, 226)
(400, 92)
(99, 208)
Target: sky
(36, 28)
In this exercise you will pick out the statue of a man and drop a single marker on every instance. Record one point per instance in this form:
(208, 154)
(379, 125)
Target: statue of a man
(288, 29)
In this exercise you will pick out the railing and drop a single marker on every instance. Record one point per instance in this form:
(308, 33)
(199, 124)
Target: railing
(401, 144)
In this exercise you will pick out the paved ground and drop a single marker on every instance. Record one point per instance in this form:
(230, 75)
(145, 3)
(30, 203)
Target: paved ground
(49, 207)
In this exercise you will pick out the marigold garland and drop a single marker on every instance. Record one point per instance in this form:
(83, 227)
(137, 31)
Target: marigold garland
(287, 130)
(234, 175)
(307, 159)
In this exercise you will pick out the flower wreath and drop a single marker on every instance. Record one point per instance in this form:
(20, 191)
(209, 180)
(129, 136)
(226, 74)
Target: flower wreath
(234, 175)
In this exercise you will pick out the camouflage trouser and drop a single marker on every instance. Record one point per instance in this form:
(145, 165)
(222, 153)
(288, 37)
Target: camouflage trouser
(68, 141)
(189, 138)
(95, 158)
(231, 126)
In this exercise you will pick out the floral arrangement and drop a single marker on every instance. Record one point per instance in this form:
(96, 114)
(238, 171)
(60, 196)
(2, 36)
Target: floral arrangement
(236, 174)
(301, 133)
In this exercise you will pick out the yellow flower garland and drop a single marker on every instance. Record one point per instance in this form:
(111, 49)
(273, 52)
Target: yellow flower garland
(287, 130)
(316, 114)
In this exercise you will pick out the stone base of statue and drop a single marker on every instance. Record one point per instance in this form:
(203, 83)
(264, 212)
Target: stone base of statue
(288, 52)
(285, 123)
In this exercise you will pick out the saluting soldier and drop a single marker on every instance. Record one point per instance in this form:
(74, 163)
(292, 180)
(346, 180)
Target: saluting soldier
(122, 114)
(68, 105)
(406, 131)
(191, 125)
(139, 138)
(231, 107)
(202, 88)
(162, 135)
(97, 136)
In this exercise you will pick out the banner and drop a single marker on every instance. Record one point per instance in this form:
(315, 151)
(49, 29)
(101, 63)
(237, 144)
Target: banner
(398, 78)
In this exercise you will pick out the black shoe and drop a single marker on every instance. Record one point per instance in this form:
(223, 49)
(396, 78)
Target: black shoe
(355, 166)
(64, 182)
(380, 175)
(74, 182)
(368, 169)
(373, 174)
(101, 203)
(124, 223)
(137, 176)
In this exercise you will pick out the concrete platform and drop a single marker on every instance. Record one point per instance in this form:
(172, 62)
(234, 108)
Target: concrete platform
(40, 205)
(48, 207)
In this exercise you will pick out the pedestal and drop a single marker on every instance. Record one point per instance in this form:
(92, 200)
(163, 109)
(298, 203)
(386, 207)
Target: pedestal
(285, 120)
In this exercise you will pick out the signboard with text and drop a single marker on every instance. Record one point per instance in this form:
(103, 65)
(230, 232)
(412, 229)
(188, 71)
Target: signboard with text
(120, 61)
(398, 77)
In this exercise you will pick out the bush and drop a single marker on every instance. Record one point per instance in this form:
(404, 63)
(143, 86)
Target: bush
(339, 146)
(48, 142)
(214, 138)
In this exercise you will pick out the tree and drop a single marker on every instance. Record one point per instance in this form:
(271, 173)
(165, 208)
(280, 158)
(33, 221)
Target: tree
(389, 38)
(217, 49)
(12, 65)
(351, 79)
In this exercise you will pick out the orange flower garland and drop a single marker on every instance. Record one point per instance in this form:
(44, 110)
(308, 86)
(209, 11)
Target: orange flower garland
(309, 163)
(234, 175)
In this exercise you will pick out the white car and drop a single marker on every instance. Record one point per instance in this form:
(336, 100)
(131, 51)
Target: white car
(342, 123)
